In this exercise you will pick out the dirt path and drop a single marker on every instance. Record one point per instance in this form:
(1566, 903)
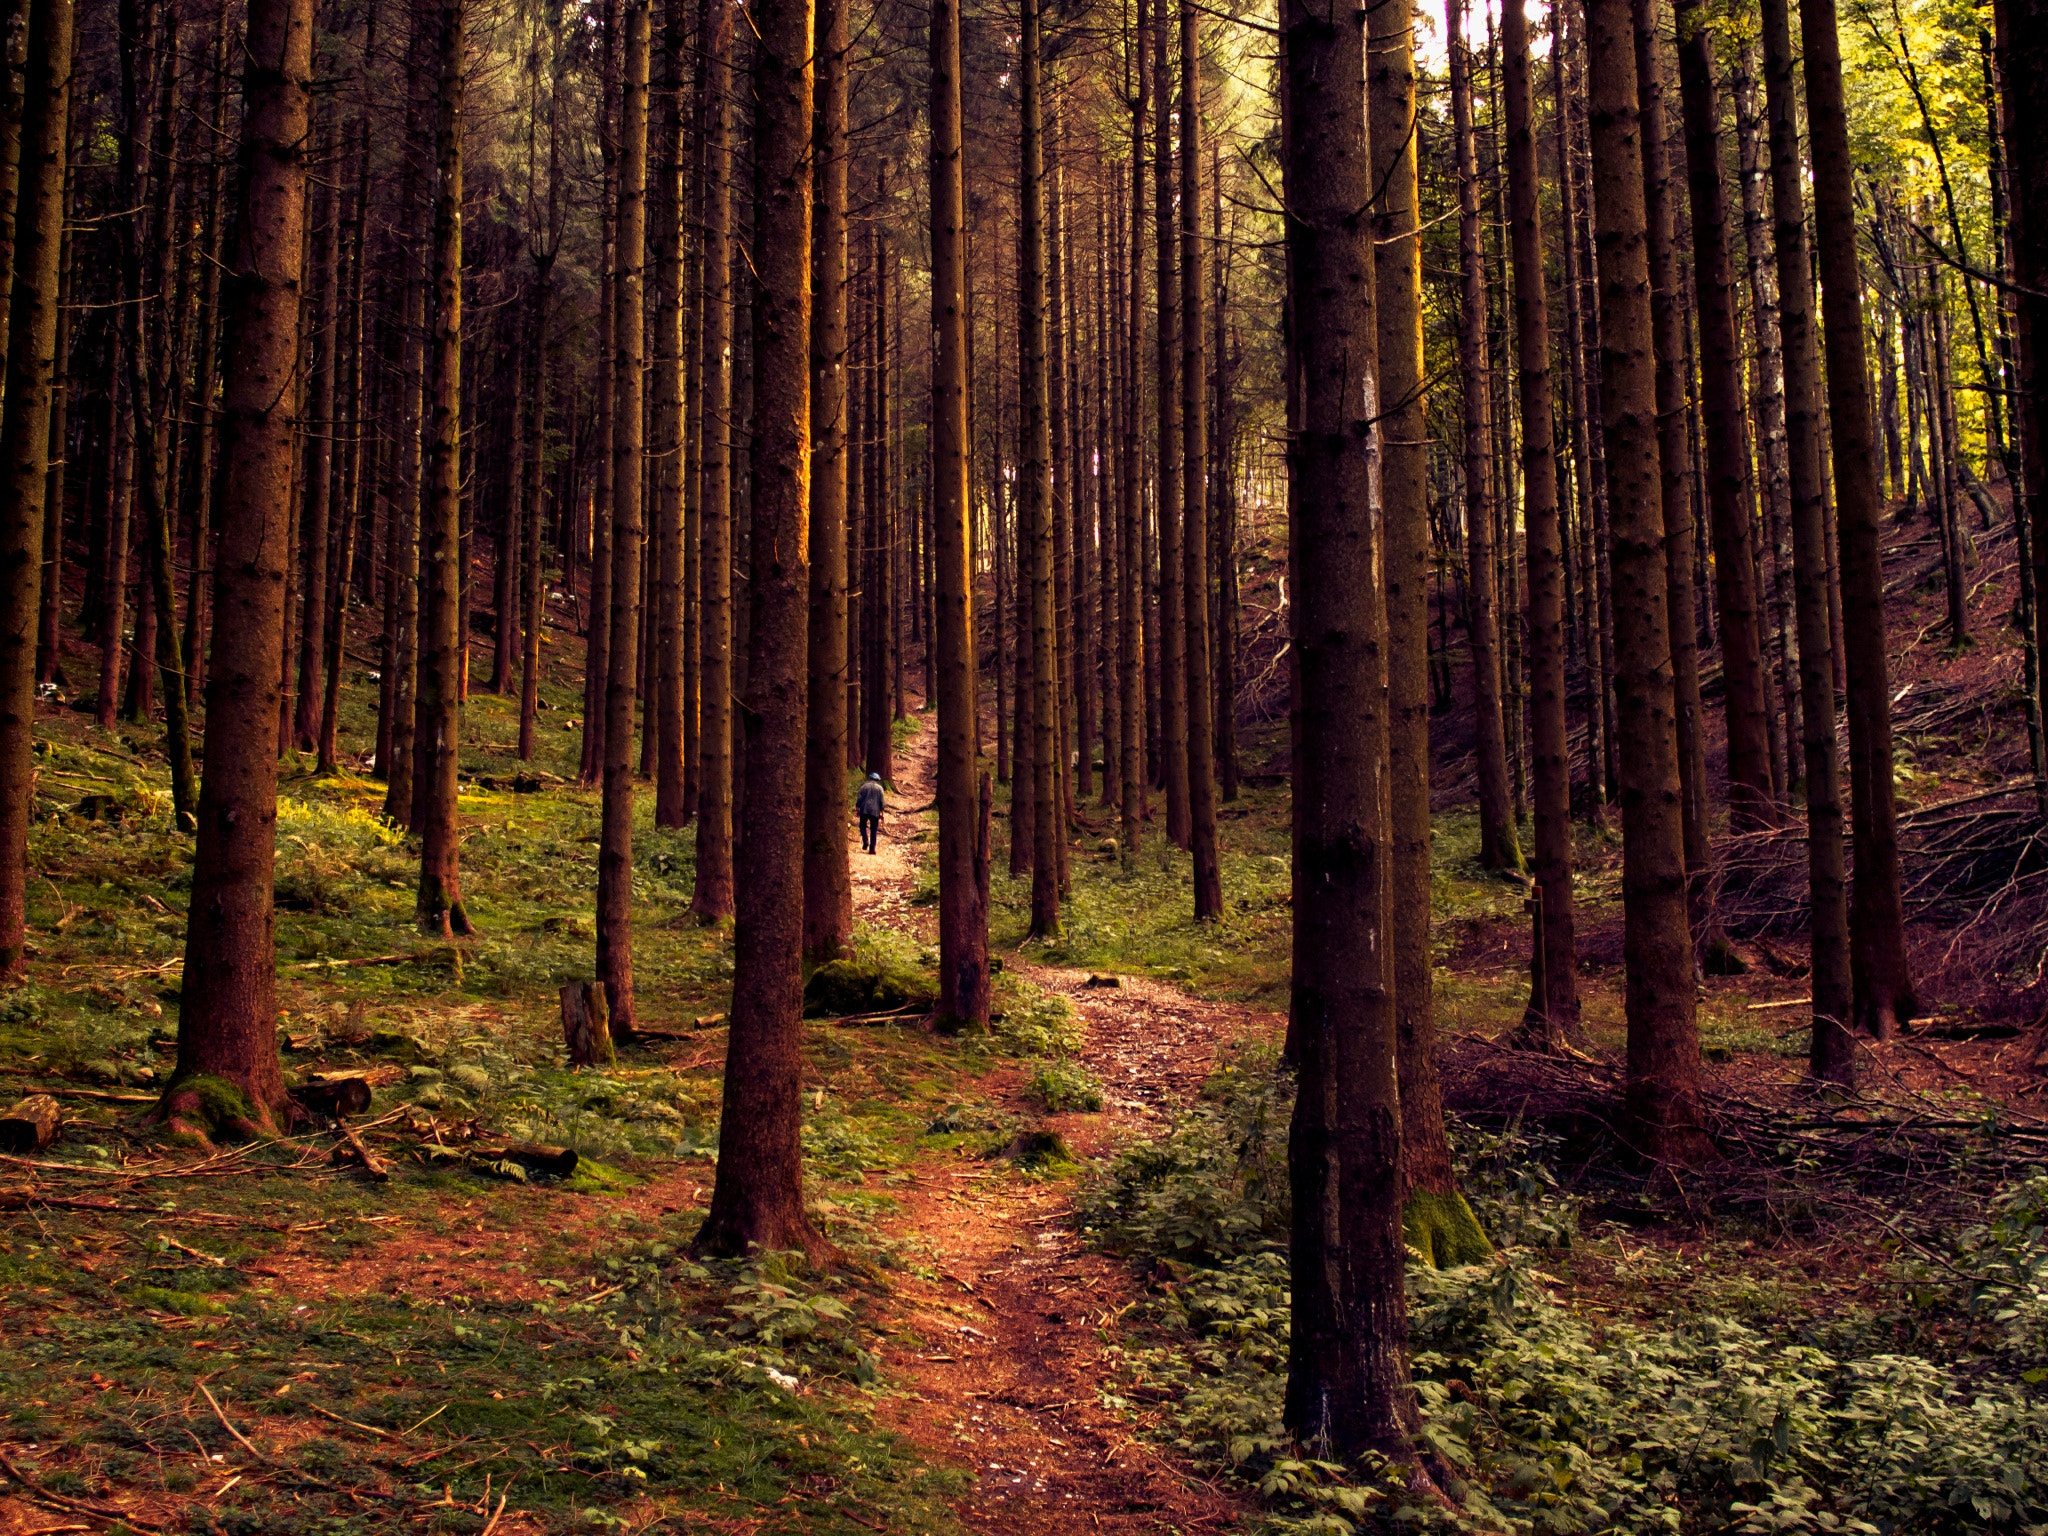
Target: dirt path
(1003, 1353)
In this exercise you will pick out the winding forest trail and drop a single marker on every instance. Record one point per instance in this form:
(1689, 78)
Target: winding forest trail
(1002, 1354)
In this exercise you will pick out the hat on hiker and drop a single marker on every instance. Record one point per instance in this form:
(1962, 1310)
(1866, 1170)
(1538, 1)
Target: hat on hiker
(874, 778)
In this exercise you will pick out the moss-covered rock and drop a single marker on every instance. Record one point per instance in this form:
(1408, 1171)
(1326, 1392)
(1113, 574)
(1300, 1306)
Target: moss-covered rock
(1442, 1228)
(841, 987)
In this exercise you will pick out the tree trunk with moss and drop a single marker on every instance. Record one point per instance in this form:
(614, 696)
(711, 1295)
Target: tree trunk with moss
(228, 1078)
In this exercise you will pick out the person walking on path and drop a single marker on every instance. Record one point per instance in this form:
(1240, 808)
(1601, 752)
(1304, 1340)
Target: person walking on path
(867, 804)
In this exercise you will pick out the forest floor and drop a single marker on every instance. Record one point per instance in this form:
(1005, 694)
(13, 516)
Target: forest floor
(1051, 1317)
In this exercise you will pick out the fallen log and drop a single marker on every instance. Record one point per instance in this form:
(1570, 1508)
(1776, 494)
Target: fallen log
(556, 1162)
(333, 1097)
(31, 1125)
(353, 1149)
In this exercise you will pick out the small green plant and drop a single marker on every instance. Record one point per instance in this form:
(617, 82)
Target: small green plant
(1059, 1086)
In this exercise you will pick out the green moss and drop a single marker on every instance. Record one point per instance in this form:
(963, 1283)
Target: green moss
(866, 984)
(1442, 1228)
(216, 1105)
(184, 1303)
(595, 1178)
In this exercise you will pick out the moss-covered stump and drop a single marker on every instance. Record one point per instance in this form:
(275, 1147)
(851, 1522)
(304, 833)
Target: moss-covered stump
(204, 1109)
(1442, 1228)
(843, 987)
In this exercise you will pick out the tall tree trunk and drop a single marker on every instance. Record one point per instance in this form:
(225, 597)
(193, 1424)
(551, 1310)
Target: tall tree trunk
(1768, 393)
(1663, 1035)
(533, 584)
(1877, 930)
(1745, 694)
(1194, 410)
(318, 436)
(1498, 847)
(25, 447)
(439, 712)
(1348, 1390)
(1172, 658)
(1036, 534)
(963, 849)
(629, 255)
(1131, 598)
(1403, 450)
(1833, 1051)
(664, 714)
(227, 1021)
(397, 690)
(1552, 1016)
(828, 886)
(758, 1197)
(712, 900)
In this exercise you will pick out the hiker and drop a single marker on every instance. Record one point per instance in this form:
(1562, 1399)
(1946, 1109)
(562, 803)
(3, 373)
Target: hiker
(867, 804)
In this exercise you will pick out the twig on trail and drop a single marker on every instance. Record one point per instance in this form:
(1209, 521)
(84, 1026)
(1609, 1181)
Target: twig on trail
(368, 1429)
(845, 1513)
(906, 1011)
(280, 1467)
(100, 1095)
(41, 1495)
(198, 1253)
(339, 965)
(373, 1165)
(498, 1515)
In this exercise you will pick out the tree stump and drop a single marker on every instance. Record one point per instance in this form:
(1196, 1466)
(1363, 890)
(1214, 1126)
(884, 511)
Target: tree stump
(31, 1125)
(586, 1025)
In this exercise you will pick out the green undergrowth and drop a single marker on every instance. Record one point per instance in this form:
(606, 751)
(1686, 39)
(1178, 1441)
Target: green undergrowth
(492, 1321)
(593, 1388)
(1725, 1407)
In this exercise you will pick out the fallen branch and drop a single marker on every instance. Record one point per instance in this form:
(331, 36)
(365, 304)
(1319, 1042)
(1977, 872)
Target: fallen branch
(69, 1506)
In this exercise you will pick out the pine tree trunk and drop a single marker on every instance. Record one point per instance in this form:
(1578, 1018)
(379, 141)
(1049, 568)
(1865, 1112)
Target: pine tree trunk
(1885, 998)
(712, 899)
(1194, 410)
(1663, 1035)
(1745, 693)
(1552, 1017)
(1833, 1052)
(1036, 533)
(1131, 576)
(664, 709)
(1498, 847)
(25, 447)
(629, 255)
(1172, 658)
(963, 857)
(227, 1023)
(1768, 395)
(1403, 449)
(758, 1197)
(828, 887)
(440, 909)
(319, 435)
(532, 576)
(1348, 1390)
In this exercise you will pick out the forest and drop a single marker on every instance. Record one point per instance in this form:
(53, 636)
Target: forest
(1023, 767)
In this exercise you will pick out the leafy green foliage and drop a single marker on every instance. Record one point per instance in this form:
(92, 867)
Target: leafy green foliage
(1549, 1420)
(1058, 1086)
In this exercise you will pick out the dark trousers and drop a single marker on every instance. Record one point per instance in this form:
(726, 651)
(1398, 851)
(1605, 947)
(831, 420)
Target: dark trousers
(870, 829)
